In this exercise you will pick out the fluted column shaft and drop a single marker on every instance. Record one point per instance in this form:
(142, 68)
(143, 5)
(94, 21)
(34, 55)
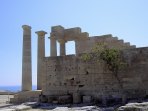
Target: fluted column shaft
(40, 56)
(53, 46)
(26, 59)
(62, 47)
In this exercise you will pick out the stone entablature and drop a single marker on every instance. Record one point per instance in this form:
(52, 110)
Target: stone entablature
(83, 43)
(58, 33)
(72, 34)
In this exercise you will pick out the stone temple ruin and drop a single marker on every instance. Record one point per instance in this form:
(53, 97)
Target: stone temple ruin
(69, 79)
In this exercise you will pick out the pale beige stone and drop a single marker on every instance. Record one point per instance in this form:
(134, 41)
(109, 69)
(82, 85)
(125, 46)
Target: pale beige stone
(53, 46)
(62, 47)
(26, 61)
(40, 55)
(26, 96)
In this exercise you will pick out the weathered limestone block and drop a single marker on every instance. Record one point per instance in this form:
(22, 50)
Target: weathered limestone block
(52, 98)
(57, 31)
(104, 100)
(87, 99)
(72, 33)
(121, 41)
(133, 46)
(124, 98)
(65, 99)
(43, 99)
(27, 96)
(84, 36)
(76, 98)
(127, 43)
(115, 38)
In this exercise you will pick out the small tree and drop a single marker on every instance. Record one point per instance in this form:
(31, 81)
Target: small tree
(111, 56)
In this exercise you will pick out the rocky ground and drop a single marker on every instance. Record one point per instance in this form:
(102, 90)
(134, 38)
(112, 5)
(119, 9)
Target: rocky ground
(50, 107)
(134, 107)
(32, 106)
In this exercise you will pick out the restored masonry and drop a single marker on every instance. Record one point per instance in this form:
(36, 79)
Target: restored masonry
(67, 78)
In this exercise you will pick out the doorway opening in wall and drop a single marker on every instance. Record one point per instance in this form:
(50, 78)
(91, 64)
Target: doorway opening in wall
(70, 48)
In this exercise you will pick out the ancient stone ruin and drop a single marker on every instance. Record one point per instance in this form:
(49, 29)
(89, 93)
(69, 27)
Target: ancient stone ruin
(69, 79)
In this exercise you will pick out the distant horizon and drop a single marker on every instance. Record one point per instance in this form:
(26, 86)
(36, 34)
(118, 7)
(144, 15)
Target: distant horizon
(14, 88)
(14, 85)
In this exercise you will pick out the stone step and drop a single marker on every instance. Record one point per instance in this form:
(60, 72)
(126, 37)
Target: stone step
(121, 41)
(133, 46)
(103, 38)
(127, 43)
(115, 38)
(26, 96)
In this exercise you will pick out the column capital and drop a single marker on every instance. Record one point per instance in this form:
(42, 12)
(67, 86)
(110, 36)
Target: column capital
(52, 37)
(26, 27)
(62, 41)
(41, 33)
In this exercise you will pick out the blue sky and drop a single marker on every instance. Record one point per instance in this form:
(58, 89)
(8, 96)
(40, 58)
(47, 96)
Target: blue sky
(127, 19)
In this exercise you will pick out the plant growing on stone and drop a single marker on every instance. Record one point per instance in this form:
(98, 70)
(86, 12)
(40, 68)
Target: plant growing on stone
(110, 56)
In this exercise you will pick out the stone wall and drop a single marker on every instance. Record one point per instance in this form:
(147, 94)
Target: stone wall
(135, 77)
(70, 74)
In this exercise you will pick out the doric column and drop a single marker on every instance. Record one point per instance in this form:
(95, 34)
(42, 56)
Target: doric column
(40, 55)
(26, 60)
(62, 47)
(53, 46)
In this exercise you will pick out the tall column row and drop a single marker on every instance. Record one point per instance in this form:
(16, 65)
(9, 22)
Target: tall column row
(26, 57)
(53, 46)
